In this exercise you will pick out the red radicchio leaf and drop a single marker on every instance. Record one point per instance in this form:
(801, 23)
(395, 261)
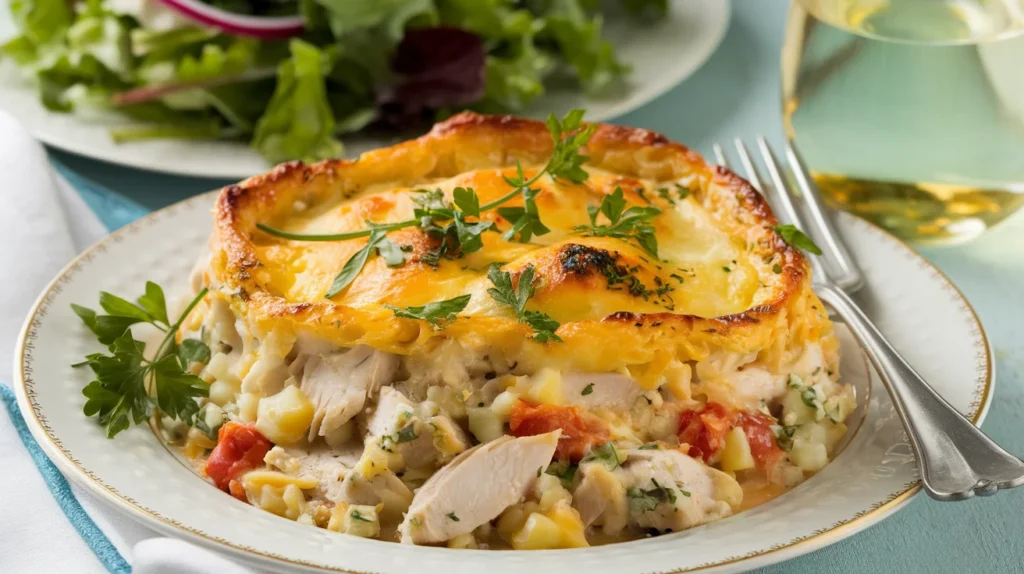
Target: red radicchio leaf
(437, 68)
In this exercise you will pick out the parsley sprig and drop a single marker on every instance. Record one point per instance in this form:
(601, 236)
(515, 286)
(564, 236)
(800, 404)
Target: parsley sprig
(451, 225)
(504, 292)
(127, 384)
(633, 224)
(437, 313)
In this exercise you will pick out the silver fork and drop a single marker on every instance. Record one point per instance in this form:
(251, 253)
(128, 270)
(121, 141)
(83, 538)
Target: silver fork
(955, 458)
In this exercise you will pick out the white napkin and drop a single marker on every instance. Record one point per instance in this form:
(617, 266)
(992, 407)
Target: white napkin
(43, 224)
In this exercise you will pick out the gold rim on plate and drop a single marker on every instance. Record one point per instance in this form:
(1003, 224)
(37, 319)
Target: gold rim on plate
(69, 465)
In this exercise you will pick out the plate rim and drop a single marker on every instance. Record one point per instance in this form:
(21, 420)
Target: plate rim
(71, 468)
(641, 98)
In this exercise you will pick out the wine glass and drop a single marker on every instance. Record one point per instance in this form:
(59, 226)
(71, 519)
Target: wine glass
(910, 113)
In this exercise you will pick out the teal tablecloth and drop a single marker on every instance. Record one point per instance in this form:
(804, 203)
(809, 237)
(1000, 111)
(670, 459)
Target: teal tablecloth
(737, 94)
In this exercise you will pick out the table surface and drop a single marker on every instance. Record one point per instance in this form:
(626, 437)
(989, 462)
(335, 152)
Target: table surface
(736, 94)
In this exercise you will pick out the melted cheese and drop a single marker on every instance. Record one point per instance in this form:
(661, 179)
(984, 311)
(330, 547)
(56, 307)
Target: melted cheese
(690, 279)
(724, 280)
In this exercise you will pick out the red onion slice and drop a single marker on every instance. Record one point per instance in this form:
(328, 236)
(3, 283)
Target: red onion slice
(262, 27)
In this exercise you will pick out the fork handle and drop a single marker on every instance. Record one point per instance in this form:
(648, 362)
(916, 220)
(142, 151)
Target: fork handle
(956, 459)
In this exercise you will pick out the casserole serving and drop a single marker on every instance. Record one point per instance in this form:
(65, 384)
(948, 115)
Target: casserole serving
(506, 334)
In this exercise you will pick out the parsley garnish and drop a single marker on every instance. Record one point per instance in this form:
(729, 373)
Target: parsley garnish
(540, 469)
(120, 396)
(626, 224)
(641, 500)
(649, 446)
(777, 268)
(587, 389)
(503, 292)
(356, 516)
(448, 224)
(436, 313)
(564, 470)
(453, 517)
(793, 236)
(606, 453)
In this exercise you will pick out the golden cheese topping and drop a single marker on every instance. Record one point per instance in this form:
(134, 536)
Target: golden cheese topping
(702, 270)
(722, 277)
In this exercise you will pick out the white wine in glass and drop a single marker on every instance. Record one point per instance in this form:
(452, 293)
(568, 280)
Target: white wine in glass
(910, 113)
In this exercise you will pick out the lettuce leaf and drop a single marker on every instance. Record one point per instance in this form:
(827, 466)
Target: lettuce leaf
(298, 122)
(389, 17)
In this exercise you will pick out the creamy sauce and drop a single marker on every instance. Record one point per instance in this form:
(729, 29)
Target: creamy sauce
(757, 491)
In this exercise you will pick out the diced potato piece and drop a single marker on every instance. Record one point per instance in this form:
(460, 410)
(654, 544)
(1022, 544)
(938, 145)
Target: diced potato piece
(736, 455)
(504, 403)
(285, 417)
(677, 380)
(538, 533)
(375, 461)
(795, 411)
(513, 519)
(568, 520)
(485, 424)
(222, 392)
(219, 369)
(463, 541)
(447, 439)
(546, 387)
(341, 435)
(248, 404)
(549, 491)
(811, 457)
(809, 452)
(833, 434)
(451, 401)
(355, 519)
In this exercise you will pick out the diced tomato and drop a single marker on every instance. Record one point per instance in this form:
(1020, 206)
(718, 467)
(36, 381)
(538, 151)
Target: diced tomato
(763, 445)
(580, 431)
(704, 431)
(240, 448)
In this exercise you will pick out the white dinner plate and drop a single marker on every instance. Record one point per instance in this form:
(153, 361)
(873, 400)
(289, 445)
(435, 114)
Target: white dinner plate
(662, 54)
(924, 315)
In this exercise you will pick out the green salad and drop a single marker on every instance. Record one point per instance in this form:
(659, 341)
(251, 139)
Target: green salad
(292, 77)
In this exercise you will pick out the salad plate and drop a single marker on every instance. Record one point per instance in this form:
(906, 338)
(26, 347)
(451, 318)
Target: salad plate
(874, 474)
(661, 55)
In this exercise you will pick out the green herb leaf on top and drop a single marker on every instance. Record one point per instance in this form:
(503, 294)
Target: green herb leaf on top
(436, 313)
(632, 224)
(567, 161)
(793, 236)
(504, 292)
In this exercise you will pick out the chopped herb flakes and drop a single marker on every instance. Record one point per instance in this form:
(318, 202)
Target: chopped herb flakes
(453, 517)
(406, 434)
(649, 446)
(641, 500)
(606, 453)
(587, 389)
(356, 516)
(565, 471)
